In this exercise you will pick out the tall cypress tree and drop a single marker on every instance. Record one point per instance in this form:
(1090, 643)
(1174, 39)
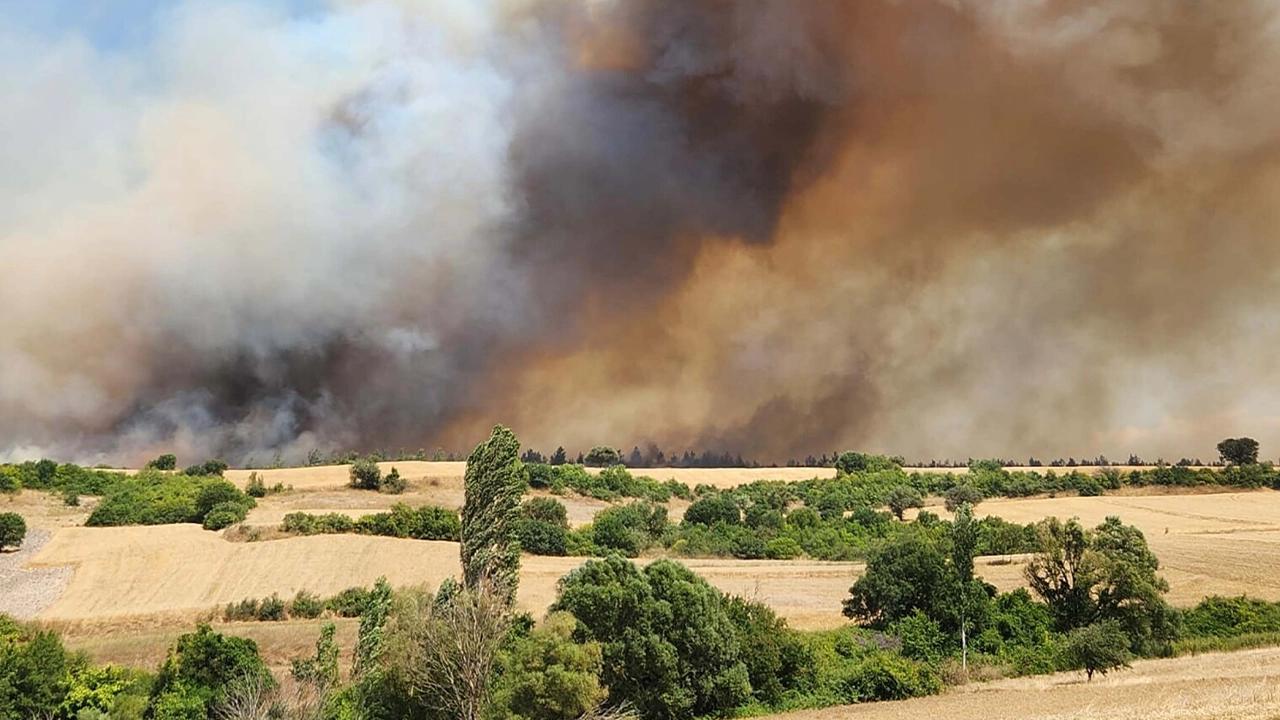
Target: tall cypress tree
(494, 482)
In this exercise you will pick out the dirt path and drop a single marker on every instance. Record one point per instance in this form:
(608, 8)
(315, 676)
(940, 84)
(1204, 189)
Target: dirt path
(25, 592)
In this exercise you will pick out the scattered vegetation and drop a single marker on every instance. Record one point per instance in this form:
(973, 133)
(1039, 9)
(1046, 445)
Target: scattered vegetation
(424, 523)
(13, 530)
(155, 498)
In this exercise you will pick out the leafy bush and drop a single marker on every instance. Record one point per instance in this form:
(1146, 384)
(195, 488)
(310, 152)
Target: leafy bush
(887, 676)
(603, 456)
(629, 529)
(547, 675)
(365, 474)
(246, 609)
(670, 648)
(392, 483)
(903, 497)
(922, 638)
(207, 469)
(255, 488)
(271, 608)
(1097, 648)
(425, 523)
(783, 548)
(961, 495)
(1222, 617)
(152, 498)
(198, 670)
(167, 461)
(306, 605)
(351, 602)
(223, 515)
(13, 530)
(713, 509)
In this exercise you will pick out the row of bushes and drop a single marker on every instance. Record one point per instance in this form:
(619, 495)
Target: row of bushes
(424, 523)
(155, 498)
(67, 478)
(611, 483)
(351, 602)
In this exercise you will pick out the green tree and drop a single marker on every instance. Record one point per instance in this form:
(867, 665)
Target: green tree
(903, 497)
(908, 572)
(1239, 451)
(854, 462)
(13, 529)
(602, 456)
(1098, 648)
(1108, 573)
(670, 648)
(9, 483)
(970, 594)
(168, 461)
(493, 483)
(320, 671)
(558, 457)
(365, 474)
(961, 495)
(547, 675)
(199, 669)
(714, 508)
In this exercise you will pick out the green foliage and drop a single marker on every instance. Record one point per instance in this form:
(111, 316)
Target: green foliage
(886, 676)
(961, 495)
(152, 498)
(197, 671)
(392, 483)
(1239, 451)
(207, 469)
(903, 497)
(629, 529)
(425, 523)
(922, 638)
(783, 548)
(494, 482)
(306, 605)
(546, 675)
(670, 648)
(906, 574)
(777, 658)
(603, 456)
(543, 527)
(320, 670)
(365, 474)
(13, 530)
(855, 462)
(271, 609)
(1222, 617)
(10, 482)
(1100, 647)
(255, 488)
(224, 514)
(712, 509)
(34, 670)
(167, 461)
(349, 603)
(1107, 573)
(105, 692)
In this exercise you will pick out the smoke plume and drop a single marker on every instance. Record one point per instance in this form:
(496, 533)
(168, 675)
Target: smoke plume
(937, 228)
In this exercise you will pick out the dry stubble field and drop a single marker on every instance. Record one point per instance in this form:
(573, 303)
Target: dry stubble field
(132, 590)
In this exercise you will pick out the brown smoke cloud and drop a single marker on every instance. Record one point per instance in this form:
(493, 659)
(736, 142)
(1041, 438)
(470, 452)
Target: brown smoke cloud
(774, 228)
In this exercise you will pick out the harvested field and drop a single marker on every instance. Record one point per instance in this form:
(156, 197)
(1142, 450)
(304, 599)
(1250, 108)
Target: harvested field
(133, 571)
(1224, 543)
(1242, 685)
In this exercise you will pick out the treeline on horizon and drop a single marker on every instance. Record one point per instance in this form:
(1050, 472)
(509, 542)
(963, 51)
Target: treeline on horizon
(652, 456)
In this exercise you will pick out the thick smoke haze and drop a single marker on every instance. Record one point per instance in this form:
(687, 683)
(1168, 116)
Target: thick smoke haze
(937, 228)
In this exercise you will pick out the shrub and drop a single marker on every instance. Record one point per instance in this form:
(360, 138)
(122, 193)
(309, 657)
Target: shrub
(921, 638)
(547, 675)
(545, 509)
(603, 456)
(1218, 616)
(712, 509)
(540, 537)
(365, 474)
(961, 495)
(306, 605)
(255, 488)
(783, 548)
(219, 492)
(1097, 648)
(9, 482)
(224, 515)
(629, 529)
(392, 483)
(903, 497)
(246, 609)
(271, 608)
(887, 676)
(350, 602)
(670, 648)
(13, 530)
(168, 461)
(198, 670)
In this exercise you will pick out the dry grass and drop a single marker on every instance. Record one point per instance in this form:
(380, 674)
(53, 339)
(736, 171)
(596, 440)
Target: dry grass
(1241, 685)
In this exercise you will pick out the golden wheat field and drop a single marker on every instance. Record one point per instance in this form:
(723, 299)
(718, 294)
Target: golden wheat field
(1243, 685)
(123, 594)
